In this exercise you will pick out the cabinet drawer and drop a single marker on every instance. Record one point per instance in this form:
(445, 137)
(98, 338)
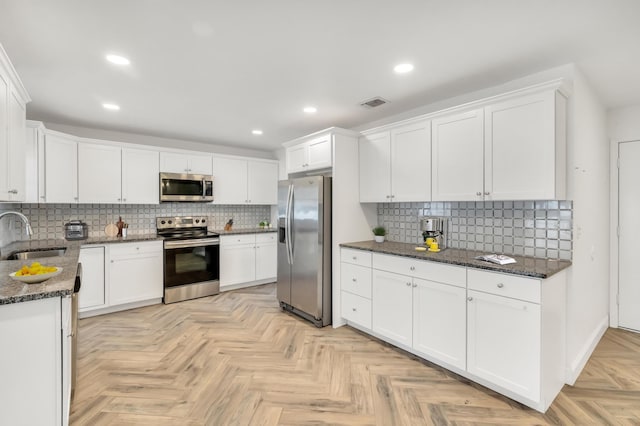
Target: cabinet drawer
(432, 271)
(134, 248)
(231, 240)
(356, 279)
(357, 257)
(356, 309)
(270, 237)
(504, 285)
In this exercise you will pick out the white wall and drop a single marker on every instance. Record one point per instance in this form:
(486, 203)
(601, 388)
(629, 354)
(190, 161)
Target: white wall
(624, 124)
(116, 136)
(588, 187)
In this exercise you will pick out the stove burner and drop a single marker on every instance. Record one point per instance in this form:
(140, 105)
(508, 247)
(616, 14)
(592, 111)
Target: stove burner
(183, 228)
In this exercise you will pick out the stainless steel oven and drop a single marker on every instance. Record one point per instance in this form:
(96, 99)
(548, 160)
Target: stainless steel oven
(185, 187)
(191, 258)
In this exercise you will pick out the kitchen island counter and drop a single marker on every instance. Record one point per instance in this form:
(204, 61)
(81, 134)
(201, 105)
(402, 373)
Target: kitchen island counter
(525, 266)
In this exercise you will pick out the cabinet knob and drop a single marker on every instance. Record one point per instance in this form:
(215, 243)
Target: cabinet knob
(393, 196)
(469, 298)
(43, 197)
(112, 261)
(415, 285)
(413, 268)
(388, 196)
(479, 193)
(354, 280)
(137, 248)
(354, 258)
(13, 191)
(500, 285)
(486, 193)
(119, 199)
(353, 309)
(408, 284)
(124, 199)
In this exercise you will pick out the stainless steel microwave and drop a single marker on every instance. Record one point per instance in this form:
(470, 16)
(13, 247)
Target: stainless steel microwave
(185, 187)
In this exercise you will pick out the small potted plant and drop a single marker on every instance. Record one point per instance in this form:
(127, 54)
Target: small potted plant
(263, 224)
(379, 232)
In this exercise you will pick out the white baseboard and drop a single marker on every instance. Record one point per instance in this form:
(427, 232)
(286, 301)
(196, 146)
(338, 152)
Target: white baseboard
(245, 285)
(117, 308)
(574, 368)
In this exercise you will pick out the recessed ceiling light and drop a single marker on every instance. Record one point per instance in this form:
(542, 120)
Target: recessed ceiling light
(118, 60)
(310, 109)
(112, 107)
(256, 132)
(403, 68)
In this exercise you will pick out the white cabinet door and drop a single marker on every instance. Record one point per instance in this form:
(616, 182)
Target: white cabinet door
(237, 264)
(92, 290)
(392, 306)
(61, 169)
(503, 342)
(297, 157)
(99, 174)
(439, 321)
(375, 167)
(140, 176)
(458, 151)
(135, 272)
(67, 361)
(229, 181)
(34, 143)
(4, 137)
(411, 162)
(171, 162)
(16, 154)
(520, 148)
(266, 260)
(319, 153)
(262, 182)
(200, 164)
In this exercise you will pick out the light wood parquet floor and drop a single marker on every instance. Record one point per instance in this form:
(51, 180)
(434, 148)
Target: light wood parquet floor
(236, 359)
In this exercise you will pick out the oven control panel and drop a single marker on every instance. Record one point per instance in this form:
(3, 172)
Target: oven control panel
(181, 222)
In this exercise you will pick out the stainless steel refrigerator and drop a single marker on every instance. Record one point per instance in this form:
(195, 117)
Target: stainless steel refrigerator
(304, 248)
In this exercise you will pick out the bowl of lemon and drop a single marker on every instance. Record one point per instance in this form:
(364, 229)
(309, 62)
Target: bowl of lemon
(35, 273)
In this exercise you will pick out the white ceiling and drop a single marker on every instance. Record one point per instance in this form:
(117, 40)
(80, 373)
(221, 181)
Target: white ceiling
(213, 70)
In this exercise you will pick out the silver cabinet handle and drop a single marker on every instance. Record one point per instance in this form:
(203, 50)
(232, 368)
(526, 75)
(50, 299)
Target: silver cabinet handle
(13, 191)
(500, 285)
(113, 261)
(354, 280)
(469, 298)
(388, 196)
(354, 258)
(486, 193)
(119, 199)
(413, 268)
(408, 284)
(415, 285)
(393, 196)
(353, 309)
(478, 193)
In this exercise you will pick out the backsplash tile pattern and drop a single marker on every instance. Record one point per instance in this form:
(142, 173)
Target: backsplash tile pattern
(47, 220)
(525, 228)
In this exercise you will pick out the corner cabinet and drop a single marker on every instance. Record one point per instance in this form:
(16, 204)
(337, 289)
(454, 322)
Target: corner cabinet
(395, 165)
(244, 181)
(13, 100)
(513, 149)
(247, 259)
(503, 331)
(313, 154)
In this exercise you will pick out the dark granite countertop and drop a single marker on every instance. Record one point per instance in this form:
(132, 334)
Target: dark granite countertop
(12, 291)
(244, 231)
(526, 266)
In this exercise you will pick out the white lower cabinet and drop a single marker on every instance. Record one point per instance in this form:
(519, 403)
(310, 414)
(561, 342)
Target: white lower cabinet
(120, 276)
(247, 259)
(504, 331)
(135, 272)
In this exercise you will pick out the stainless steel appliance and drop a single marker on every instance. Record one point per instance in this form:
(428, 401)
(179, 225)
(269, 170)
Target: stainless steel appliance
(185, 187)
(304, 248)
(76, 230)
(436, 228)
(74, 329)
(191, 258)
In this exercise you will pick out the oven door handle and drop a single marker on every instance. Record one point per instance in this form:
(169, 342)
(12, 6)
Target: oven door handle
(192, 243)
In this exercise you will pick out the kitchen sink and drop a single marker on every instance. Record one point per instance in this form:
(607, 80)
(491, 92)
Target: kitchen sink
(37, 253)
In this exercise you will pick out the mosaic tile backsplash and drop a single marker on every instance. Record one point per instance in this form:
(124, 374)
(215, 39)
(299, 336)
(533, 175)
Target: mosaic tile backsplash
(524, 228)
(47, 220)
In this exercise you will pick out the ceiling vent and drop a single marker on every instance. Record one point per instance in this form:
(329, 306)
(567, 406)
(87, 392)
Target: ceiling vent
(374, 102)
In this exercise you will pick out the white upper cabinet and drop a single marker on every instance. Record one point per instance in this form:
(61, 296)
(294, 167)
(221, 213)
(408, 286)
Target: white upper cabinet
(140, 176)
(395, 165)
(61, 169)
(310, 155)
(171, 162)
(99, 174)
(13, 99)
(524, 148)
(457, 167)
(244, 181)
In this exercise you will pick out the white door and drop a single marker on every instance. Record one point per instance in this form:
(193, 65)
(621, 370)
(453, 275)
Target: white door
(134, 278)
(140, 176)
(171, 162)
(200, 164)
(411, 162)
(92, 290)
(457, 143)
(229, 181)
(262, 182)
(237, 264)
(266, 260)
(319, 153)
(297, 157)
(4, 138)
(391, 306)
(628, 257)
(503, 342)
(439, 321)
(99, 174)
(17, 155)
(375, 168)
(61, 169)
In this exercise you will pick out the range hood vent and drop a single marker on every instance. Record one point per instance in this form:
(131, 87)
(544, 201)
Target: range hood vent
(374, 102)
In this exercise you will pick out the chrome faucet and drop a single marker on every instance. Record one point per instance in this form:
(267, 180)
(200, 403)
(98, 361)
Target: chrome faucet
(23, 218)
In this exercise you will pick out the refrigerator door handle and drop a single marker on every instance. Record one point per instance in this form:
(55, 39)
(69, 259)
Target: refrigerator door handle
(289, 243)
